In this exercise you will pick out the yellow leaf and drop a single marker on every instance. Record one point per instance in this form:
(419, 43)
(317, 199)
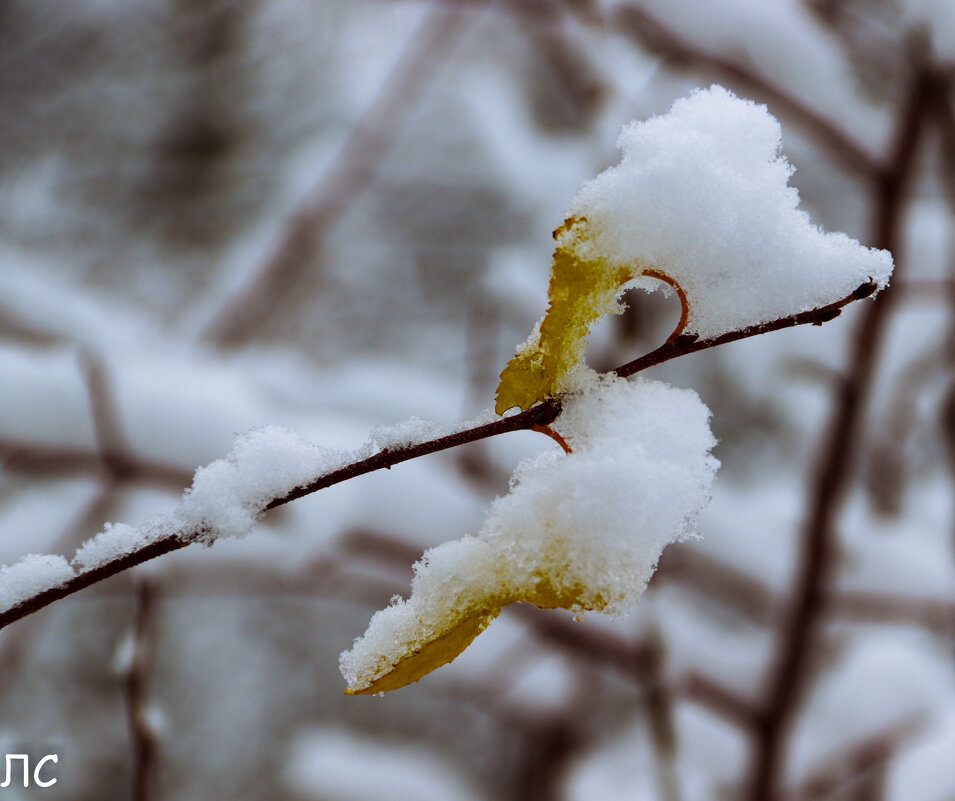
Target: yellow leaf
(420, 662)
(445, 646)
(582, 290)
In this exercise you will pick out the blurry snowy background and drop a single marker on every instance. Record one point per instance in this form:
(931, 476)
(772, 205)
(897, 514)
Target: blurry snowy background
(333, 215)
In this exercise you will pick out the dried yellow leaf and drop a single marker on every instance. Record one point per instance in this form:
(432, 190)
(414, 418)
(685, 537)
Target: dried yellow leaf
(582, 290)
(445, 646)
(442, 649)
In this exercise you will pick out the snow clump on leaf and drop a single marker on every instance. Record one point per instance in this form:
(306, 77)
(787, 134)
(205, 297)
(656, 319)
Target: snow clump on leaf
(582, 531)
(701, 199)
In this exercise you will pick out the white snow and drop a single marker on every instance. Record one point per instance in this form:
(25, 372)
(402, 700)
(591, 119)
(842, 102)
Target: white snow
(787, 44)
(226, 499)
(118, 539)
(229, 495)
(702, 195)
(589, 525)
(30, 576)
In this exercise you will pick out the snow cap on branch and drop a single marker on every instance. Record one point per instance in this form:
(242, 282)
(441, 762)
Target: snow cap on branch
(30, 576)
(700, 201)
(702, 196)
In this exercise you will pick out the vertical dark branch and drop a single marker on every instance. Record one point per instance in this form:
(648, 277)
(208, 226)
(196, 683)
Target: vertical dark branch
(945, 120)
(549, 747)
(110, 445)
(354, 170)
(573, 88)
(659, 704)
(817, 559)
(136, 692)
(109, 436)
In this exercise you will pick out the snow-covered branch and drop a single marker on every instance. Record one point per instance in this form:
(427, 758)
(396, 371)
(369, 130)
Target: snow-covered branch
(38, 581)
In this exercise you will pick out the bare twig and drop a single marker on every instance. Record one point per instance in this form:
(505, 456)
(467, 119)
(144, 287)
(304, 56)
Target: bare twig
(136, 693)
(355, 168)
(685, 344)
(857, 759)
(114, 468)
(110, 441)
(749, 597)
(659, 701)
(30, 457)
(542, 414)
(639, 25)
(937, 615)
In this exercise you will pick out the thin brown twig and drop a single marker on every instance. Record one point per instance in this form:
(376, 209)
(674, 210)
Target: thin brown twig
(684, 303)
(17, 643)
(860, 757)
(34, 458)
(110, 441)
(658, 698)
(549, 432)
(934, 614)
(136, 693)
(689, 343)
(114, 469)
(542, 414)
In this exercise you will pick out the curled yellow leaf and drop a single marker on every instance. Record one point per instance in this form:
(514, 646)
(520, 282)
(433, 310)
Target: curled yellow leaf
(422, 655)
(419, 662)
(583, 288)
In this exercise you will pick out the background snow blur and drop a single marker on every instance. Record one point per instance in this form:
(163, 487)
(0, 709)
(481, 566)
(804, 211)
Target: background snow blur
(333, 216)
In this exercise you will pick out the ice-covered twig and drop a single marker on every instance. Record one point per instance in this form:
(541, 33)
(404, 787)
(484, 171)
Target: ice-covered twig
(542, 414)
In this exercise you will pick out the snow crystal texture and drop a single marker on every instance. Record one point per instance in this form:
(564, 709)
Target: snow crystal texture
(30, 576)
(589, 525)
(702, 195)
(226, 499)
